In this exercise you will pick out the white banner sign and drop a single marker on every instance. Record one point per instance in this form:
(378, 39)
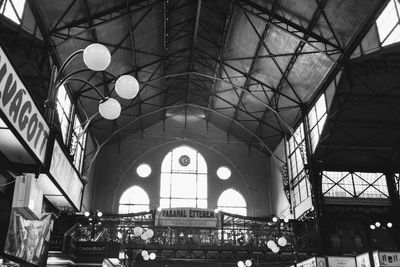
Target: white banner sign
(382, 258)
(363, 260)
(191, 217)
(20, 110)
(313, 262)
(64, 173)
(341, 261)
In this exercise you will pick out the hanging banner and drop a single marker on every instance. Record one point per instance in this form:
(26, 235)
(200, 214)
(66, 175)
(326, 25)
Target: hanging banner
(21, 112)
(383, 258)
(29, 239)
(187, 217)
(341, 261)
(66, 176)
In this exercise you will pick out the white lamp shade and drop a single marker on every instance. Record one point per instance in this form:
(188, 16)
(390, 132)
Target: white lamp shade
(146, 258)
(149, 233)
(127, 86)
(110, 109)
(144, 236)
(96, 57)
(137, 231)
(240, 264)
(152, 256)
(275, 249)
(282, 241)
(248, 263)
(271, 244)
(144, 253)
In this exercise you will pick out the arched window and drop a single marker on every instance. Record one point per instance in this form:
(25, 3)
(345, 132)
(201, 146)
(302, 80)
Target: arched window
(183, 179)
(134, 199)
(233, 202)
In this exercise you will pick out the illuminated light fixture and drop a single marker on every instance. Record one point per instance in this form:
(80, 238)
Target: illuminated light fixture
(275, 219)
(152, 256)
(96, 57)
(248, 263)
(377, 224)
(240, 264)
(144, 253)
(86, 214)
(282, 241)
(109, 108)
(372, 226)
(275, 249)
(137, 231)
(159, 209)
(149, 233)
(286, 220)
(389, 225)
(216, 210)
(271, 244)
(99, 213)
(127, 87)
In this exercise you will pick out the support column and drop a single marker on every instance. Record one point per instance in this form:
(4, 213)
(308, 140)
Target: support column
(395, 206)
(314, 172)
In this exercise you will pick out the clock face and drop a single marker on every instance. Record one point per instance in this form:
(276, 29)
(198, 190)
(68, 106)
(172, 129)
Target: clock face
(184, 160)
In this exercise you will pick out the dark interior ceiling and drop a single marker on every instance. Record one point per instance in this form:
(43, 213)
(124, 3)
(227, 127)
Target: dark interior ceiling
(249, 67)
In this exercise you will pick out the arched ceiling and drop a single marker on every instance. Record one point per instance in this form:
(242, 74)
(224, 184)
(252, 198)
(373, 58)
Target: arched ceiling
(248, 67)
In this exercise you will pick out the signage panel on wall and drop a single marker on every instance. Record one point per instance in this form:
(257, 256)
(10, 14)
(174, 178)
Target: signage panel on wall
(363, 260)
(20, 111)
(192, 217)
(62, 170)
(383, 258)
(341, 261)
(313, 262)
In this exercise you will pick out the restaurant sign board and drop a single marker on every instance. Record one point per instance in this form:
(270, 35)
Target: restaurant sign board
(383, 258)
(20, 111)
(187, 217)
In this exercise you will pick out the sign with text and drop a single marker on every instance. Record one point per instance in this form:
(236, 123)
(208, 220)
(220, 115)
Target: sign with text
(66, 176)
(190, 217)
(18, 107)
(313, 262)
(341, 261)
(382, 258)
(363, 260)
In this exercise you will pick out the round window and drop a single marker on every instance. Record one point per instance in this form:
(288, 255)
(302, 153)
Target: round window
(143, 170)
(224, 173)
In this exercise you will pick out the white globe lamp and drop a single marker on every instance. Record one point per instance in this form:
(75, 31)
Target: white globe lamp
(127, 86)
(241, 264)
(271, 244)
(109, 108)
(144, 253)
(275, 249)
(152, 256)
(282, 241)
(96, 57)
(248, 263)
(137, 231)
(149, 233)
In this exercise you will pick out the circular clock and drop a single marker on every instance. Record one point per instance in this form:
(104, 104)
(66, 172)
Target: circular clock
(184, 160)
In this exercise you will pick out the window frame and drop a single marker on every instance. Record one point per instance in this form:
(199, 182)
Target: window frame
(169, 198)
